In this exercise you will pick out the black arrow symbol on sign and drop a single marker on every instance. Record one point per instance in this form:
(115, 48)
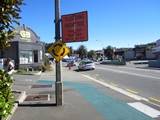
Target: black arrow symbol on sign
(53, 51)
(63, 52)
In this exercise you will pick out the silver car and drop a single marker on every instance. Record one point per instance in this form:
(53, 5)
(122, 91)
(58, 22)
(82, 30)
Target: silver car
(86, 65)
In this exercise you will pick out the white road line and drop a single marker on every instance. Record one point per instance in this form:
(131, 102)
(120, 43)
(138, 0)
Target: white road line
(154, 99)
(145, 109)
(141, 69)
(132, 91)
(114, 84)
(129, 73)
(138, 69)
(122, 91)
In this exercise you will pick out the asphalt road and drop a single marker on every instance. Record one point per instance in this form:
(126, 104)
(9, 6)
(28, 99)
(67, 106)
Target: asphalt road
(141, 81)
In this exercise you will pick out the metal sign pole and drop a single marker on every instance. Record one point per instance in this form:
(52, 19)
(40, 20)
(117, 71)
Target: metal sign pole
(58, 83)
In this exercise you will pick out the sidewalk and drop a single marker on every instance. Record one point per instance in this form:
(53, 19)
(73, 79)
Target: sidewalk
(75, 107)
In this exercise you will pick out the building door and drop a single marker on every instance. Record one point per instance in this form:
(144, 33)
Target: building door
(35, 53)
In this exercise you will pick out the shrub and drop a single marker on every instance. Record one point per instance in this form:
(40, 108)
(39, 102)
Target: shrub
(46, 68)
(6, 95)
(47, 65)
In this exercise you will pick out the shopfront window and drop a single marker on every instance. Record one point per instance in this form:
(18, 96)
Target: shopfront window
(26, 57)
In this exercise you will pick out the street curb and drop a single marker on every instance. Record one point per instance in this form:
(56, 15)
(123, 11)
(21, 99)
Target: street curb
(21, 97)
(38, 73)
(12, 112)
(19, 100)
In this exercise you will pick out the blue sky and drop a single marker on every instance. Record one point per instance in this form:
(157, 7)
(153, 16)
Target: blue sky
(119, 23)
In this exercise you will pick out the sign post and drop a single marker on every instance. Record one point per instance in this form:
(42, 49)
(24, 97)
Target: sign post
(74, 29)
(58, 83)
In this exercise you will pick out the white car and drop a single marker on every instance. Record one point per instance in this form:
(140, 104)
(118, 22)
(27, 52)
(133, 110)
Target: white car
(86, 65)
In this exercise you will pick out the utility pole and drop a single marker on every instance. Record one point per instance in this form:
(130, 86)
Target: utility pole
(58, 83)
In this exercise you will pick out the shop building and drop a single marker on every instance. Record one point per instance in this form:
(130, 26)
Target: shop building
(144, 52)
(156, 50)
(25, 49)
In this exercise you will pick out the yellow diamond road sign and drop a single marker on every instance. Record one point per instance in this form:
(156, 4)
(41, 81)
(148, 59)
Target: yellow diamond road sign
(58, 50)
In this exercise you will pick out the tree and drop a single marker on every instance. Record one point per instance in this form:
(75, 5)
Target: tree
(47, 46)
(9, 16)
(91, 54)
(108, 52)
(82, 51)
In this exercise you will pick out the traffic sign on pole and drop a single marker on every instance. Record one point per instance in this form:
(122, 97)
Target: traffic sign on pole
(58, 50)
(75, 27)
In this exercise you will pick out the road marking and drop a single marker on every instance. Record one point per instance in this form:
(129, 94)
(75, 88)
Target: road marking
(140, 69)
(122, 91)
(109, 107)
(132, 91)
(145, 109)
(153, 103)
(114, 84)
(125, 72)
(154, 99)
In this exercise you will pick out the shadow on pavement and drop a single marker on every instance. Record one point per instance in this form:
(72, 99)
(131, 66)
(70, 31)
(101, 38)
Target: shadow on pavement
(37, 105)
(149, 68)
(77, 70)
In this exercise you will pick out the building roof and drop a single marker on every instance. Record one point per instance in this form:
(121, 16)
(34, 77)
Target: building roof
(25, 34)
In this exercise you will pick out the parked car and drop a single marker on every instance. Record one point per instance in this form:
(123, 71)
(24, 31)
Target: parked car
(86, 65)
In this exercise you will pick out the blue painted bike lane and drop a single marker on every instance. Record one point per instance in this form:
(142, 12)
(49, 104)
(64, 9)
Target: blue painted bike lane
(109, 107)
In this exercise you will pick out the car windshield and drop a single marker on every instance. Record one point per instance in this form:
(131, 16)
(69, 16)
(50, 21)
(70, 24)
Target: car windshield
(88, 62)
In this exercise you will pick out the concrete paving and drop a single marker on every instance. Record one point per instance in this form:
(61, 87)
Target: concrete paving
(75, 107)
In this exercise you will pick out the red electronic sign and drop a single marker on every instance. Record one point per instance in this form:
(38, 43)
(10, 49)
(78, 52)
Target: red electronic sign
(75, 27)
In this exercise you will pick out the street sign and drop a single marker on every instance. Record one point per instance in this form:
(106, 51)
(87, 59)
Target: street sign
(75, 27)
(58, 50)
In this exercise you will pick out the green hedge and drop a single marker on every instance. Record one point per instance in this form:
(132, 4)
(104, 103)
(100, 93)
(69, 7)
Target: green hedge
(6, 95)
